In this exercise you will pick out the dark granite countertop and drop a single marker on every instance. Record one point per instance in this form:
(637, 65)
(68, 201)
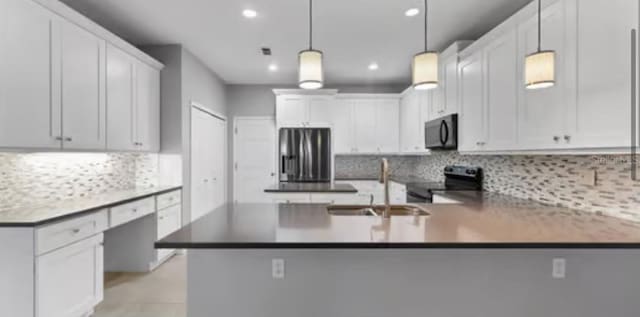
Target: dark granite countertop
(40, 215)
(311, 188)
(481, 220)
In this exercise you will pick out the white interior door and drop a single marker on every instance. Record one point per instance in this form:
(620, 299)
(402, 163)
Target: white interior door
(255, 166)
(208, 155)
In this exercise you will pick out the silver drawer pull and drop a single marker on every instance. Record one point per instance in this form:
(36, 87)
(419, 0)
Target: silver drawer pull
(75, 231)
(135, 209)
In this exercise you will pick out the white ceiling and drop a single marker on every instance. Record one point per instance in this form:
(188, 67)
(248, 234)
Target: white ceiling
(352, 33)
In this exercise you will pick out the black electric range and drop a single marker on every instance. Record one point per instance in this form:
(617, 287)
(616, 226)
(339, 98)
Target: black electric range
(457, 178)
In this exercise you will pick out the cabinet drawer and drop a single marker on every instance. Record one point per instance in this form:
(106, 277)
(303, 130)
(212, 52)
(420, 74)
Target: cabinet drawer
(290, 198)
(169, 199)
(131, 211)
(53, 236)
(169, 220)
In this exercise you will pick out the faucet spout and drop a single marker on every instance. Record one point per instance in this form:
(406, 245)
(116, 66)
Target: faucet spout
(384, 179)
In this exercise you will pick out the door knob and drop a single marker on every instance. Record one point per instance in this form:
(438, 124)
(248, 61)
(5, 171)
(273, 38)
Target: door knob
(273, 174)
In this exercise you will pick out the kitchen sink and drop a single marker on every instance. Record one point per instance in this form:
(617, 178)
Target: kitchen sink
(376, 210)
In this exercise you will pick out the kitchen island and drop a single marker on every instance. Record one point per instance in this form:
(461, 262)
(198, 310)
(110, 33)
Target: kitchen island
(490, 255)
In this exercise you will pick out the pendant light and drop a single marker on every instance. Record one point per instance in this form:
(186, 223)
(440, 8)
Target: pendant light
(425, 65)
(310, 61)
(540, 66)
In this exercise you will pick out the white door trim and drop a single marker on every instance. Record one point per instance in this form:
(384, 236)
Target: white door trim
(235, 148)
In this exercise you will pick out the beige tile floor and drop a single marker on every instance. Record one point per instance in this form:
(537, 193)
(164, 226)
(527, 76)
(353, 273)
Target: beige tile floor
(161, 293)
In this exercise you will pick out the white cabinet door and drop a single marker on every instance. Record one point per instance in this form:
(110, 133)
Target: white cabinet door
(601, 117)
(318, 111)
(543, 112)
(291, 111)
(364, 125)
(387, 125)
(147, 108)
(69, 281)
(472, 127)
(121, 100)
(341, 127)
(501, 97)
(29, 71)
(83, 89)
(409, 125)
(449, 67)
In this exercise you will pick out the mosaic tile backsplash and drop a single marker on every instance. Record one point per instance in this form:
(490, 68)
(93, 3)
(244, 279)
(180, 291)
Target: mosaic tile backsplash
(34, 179)
(553, 180)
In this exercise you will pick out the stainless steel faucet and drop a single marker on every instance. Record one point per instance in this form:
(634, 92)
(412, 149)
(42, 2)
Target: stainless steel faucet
(384, 179)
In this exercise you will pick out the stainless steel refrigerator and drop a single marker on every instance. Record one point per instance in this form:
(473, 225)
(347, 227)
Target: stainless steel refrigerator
(305, 155)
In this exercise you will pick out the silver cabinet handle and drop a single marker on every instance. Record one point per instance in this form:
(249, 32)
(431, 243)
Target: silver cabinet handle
(556, 138)
(68, 139)
(58, 138)
(75, 231)
(135, 210)
(567, 138)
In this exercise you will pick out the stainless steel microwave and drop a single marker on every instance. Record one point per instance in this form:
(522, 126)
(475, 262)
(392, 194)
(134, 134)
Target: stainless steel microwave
(442, 133)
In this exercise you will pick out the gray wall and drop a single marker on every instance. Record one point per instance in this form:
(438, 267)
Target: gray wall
(260, 101)
(409, 283)
(184, 79)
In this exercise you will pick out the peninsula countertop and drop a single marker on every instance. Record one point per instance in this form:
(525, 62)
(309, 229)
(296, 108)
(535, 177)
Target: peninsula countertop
(51, 212)
(482, 220)
(311, 188)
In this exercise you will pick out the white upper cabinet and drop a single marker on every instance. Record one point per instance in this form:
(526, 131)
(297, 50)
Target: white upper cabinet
(319, 111)
(543, 112)
(54, 74)
(445, 97)
(601, 118)
(472, 128)
(387, 130)
(341, 126)
(364, 126)
(291, 111)
(133, 103)
(121, 82)
(415, 109)
(29, 90)
(501, 86)
(147, 114)
(83, 89)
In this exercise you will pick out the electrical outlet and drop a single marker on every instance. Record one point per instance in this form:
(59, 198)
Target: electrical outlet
(587, 177)
(559, 268)
(277, 268)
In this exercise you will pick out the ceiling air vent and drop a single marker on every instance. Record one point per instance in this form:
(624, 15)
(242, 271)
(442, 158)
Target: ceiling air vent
(266, 51)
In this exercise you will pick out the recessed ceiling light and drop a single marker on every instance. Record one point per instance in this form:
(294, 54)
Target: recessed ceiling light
(412, 12)
(273, 67)
(373, 66)
(249, 14)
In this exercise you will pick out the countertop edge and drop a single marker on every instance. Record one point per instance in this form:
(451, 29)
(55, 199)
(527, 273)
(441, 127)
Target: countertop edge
(276, 191)
(385, 245)
(90, 209)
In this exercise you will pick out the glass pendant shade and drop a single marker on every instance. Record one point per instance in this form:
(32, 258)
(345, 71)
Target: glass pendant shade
(425, 71)
(540, 70)
(310, 69)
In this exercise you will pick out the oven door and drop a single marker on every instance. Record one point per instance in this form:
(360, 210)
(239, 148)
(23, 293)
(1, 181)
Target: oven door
(442, 133)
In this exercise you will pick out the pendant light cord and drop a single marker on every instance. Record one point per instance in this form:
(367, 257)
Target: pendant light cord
(539, 25)
(310, 24)
(426, 30)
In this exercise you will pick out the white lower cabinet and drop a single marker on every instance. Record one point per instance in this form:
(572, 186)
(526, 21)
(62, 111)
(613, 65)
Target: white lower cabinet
(69, 280)
(169, 220)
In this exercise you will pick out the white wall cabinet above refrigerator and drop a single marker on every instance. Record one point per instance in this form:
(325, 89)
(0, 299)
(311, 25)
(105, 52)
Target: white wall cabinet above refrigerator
(589, 108)
(360, 123)
(53, 80)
